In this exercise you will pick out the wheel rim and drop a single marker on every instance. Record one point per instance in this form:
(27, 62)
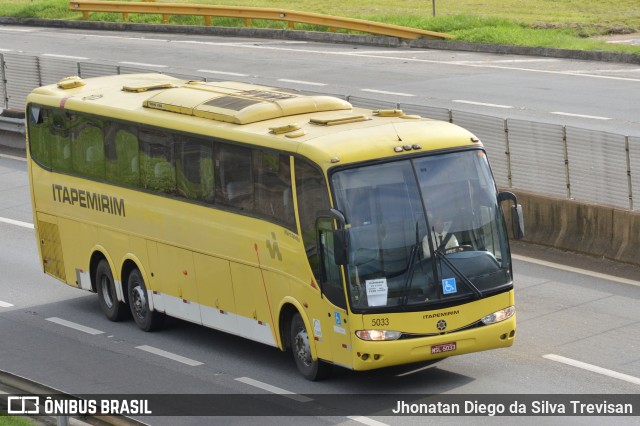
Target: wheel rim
(105, 286)
(139, 302)
(302, 348)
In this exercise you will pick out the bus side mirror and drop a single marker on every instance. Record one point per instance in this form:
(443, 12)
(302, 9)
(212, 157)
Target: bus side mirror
(341, 246)
(518, 221)
(517, 217)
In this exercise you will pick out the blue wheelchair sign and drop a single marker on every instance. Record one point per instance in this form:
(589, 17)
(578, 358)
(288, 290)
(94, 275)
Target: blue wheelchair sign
(449, 286)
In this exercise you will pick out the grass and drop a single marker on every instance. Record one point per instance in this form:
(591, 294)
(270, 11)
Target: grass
(567, 24)
(6, 420)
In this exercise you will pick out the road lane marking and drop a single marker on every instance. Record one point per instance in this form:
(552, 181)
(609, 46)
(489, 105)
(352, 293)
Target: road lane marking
(414, 371)
(75, 326)
(169, 355)
(575, 270)
(5, 304)
(462, 101)
(366, 421)
(273, 389)
(16, 222)
(142, 64)
(13, 157)
(235, 74)
(593, 368)
(6, 50)
(384, 92)
(593, 117)
(310, 83)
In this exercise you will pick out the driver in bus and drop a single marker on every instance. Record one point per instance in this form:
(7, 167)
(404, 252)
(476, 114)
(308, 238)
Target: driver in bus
(440, 238)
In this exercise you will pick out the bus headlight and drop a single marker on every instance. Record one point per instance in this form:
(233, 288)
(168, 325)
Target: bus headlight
(378, 335)
(500, 315)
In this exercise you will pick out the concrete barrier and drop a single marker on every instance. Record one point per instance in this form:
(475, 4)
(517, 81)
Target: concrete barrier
(588, 228)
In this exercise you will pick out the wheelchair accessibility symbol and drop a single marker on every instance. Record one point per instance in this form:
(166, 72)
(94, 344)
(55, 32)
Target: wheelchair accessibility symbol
(449, 286)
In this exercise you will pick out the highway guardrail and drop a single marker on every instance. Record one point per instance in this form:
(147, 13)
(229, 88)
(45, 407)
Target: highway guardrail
(12, 121)
(248, 14)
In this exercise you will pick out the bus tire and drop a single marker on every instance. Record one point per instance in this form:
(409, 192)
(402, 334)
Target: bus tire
(301, 349)
(106, 289)
(144, 317)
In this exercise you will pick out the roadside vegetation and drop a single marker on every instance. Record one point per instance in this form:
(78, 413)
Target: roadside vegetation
(566, 24)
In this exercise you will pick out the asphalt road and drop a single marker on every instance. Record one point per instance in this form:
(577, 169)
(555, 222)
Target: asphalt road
(577, 334)
(586, 94)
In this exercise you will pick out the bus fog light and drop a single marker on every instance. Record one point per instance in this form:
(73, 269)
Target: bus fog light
(378, 335)
(500, 315)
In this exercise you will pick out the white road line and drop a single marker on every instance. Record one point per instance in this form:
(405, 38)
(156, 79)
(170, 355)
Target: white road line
(414, 371)
(16, 30)
(593, 368)
(13, 157)
(273, 389)
(575, 270)
(169, 355)
(462, 101)
(142, 64)
(235, 74)
(75, 326)
(6, 50)
(53, 55)
(366, 421)
(16, 222)
(504, 61)
(310, 83)
(5, 304)
(383, 92)
(593, 117)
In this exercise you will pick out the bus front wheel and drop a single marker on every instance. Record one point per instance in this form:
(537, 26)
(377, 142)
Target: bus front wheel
(146, 319)
(301, 349)
(106, 289)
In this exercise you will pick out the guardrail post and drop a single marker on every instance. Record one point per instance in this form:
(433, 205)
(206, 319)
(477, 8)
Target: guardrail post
(207, 21)
(629, 182)
(507, 153)
(566, 161)
(4, 102)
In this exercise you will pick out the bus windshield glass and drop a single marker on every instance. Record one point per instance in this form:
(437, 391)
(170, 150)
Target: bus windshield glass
(423, 232)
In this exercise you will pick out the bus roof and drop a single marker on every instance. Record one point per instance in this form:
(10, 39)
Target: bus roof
(325, 129)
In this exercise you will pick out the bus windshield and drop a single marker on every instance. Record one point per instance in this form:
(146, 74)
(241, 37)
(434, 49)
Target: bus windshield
(423, 232)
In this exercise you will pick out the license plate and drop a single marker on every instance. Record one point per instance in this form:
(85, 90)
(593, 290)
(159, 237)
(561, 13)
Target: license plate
(443, 347)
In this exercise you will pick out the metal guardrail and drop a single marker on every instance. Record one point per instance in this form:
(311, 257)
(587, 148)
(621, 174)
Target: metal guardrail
(250, 13)
(11, 124)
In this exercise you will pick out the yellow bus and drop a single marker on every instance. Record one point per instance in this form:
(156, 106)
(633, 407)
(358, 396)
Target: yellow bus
(350, 237)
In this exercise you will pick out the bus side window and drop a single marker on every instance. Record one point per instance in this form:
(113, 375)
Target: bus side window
(272, 186)
(122, 155)
(87, 147)
(234, 183)
(157, 165)
(195, 170)
(39, 121)
(60, 150)
(311, 192)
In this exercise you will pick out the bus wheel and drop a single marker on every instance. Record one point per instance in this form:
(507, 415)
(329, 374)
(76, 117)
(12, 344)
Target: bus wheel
(146, 319)
(301, 348)
(106, 289)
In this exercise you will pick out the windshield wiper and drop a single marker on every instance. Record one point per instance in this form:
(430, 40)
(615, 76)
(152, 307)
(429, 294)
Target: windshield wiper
(411, 265)
(460, 275)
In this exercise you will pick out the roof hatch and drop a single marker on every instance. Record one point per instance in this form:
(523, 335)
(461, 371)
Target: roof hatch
(239, 103)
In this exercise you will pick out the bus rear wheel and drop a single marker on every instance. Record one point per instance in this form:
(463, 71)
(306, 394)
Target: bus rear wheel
(301, 349)
(144, 317)
(106, 289)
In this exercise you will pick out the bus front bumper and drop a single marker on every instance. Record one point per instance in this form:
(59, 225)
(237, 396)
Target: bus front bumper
(371, 355)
